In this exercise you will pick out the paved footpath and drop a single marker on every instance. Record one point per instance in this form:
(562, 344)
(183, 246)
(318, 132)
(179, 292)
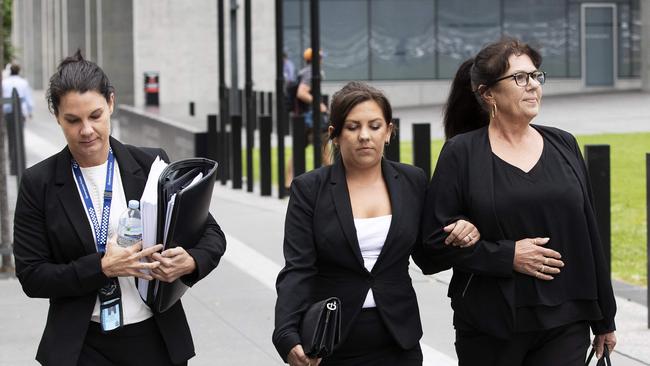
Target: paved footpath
(231, 311)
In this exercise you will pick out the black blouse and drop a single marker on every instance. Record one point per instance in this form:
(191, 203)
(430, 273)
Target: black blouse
(547, 201)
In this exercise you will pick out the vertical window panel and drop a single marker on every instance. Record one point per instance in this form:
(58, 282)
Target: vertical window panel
(344, 39)
(464, 27)
(543, 25)
(402, 41)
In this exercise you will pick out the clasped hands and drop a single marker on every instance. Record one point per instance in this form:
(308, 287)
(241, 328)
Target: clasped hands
(147, 264)
(533, 259)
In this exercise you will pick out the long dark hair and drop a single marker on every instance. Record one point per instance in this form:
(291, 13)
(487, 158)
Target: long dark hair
(77, 74)
(465, 109)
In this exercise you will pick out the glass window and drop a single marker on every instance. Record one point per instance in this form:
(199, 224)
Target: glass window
(629, 39)
(344, 39)
(464, 27)
(574, 52)
(543, 25)
(402, 39)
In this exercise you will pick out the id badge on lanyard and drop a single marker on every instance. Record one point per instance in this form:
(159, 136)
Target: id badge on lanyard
(110, 296)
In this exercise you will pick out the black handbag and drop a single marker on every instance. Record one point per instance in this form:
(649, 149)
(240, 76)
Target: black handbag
(320, 329)
(604, 361)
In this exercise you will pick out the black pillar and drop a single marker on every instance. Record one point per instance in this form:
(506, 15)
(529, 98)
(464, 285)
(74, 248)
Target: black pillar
(250, 100)
(191, 108)
(422, 147)
(315, 79)
(224, 100)
(234, 70)
(265, 154)
(597, 159)
(392, 150)
(281, 114)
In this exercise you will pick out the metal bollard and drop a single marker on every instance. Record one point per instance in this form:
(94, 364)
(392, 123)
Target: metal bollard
(422, 147)
(265, 154)
(235, 152)
(392, 150)
(598, 166)
(250, 139)
(213, 138)
(299, 142)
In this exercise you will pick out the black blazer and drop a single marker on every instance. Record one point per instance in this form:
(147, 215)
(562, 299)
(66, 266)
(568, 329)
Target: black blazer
(482, 286)
(56, 256)
(323, 258)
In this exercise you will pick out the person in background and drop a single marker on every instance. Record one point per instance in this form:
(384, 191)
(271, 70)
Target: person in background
(530, 289)
(66, 207)
(303, 106)
(15, 81)
(350, 230)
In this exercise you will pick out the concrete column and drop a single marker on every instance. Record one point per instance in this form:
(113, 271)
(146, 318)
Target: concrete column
(645, 45)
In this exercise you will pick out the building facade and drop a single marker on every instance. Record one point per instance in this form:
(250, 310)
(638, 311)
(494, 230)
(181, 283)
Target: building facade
(409, 48)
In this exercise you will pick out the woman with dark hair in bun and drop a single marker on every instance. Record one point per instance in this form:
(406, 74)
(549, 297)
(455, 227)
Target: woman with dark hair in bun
(67, 207)
(530, 289)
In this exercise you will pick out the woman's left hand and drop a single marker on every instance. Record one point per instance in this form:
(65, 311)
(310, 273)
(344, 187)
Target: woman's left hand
(174, 263)
(462, 234)
(608, 339)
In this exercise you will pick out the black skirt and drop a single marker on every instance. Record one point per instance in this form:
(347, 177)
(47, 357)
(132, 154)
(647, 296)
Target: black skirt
(369, 343)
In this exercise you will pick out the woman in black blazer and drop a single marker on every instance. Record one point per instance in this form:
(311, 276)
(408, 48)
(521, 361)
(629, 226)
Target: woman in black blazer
(530, 289)
(64, 250)
(349, 232)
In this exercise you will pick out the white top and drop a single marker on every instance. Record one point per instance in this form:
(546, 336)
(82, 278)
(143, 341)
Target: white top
(133, 308)
(371, 234)
(24, 92)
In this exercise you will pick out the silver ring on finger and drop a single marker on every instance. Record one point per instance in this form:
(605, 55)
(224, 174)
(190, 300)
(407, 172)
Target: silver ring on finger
(545, 261)
(541, 270)
(469, 238)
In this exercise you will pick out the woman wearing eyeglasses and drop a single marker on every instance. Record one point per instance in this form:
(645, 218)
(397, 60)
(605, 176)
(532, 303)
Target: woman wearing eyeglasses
(530, 289)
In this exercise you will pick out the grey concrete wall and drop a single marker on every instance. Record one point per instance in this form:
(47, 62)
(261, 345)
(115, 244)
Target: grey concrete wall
(76, 29)
(179, 40)
(139, 128)
(116, 44)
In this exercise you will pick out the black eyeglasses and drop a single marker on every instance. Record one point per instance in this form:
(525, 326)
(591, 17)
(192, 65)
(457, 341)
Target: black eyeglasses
(523, 78)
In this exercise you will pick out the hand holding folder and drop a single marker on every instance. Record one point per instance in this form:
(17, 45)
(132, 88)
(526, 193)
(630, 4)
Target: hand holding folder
(184, 191)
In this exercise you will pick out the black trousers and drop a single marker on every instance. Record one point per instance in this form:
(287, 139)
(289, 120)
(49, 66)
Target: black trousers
(562, 346)
(134, 344)
(369, 343)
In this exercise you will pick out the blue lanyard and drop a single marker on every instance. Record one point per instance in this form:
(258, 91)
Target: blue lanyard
(101, 232)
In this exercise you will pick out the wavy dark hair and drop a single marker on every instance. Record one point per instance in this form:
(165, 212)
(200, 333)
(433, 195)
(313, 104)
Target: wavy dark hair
(465, 109)
(77, 74)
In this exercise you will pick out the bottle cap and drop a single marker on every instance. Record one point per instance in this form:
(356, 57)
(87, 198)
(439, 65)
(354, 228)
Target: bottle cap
(134, 204)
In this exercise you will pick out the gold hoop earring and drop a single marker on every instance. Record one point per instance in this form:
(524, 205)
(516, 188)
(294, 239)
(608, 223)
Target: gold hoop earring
(493, 111)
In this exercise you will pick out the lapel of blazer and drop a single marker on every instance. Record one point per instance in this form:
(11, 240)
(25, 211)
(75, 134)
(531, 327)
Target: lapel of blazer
(391, 177)
(341, 200)
(68, 195)
(133, 176)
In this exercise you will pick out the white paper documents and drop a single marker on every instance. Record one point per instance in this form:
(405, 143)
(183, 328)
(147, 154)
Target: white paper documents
(149, 214)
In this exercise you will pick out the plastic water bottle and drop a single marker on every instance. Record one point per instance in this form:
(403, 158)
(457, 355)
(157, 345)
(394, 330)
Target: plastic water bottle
(129, 230)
